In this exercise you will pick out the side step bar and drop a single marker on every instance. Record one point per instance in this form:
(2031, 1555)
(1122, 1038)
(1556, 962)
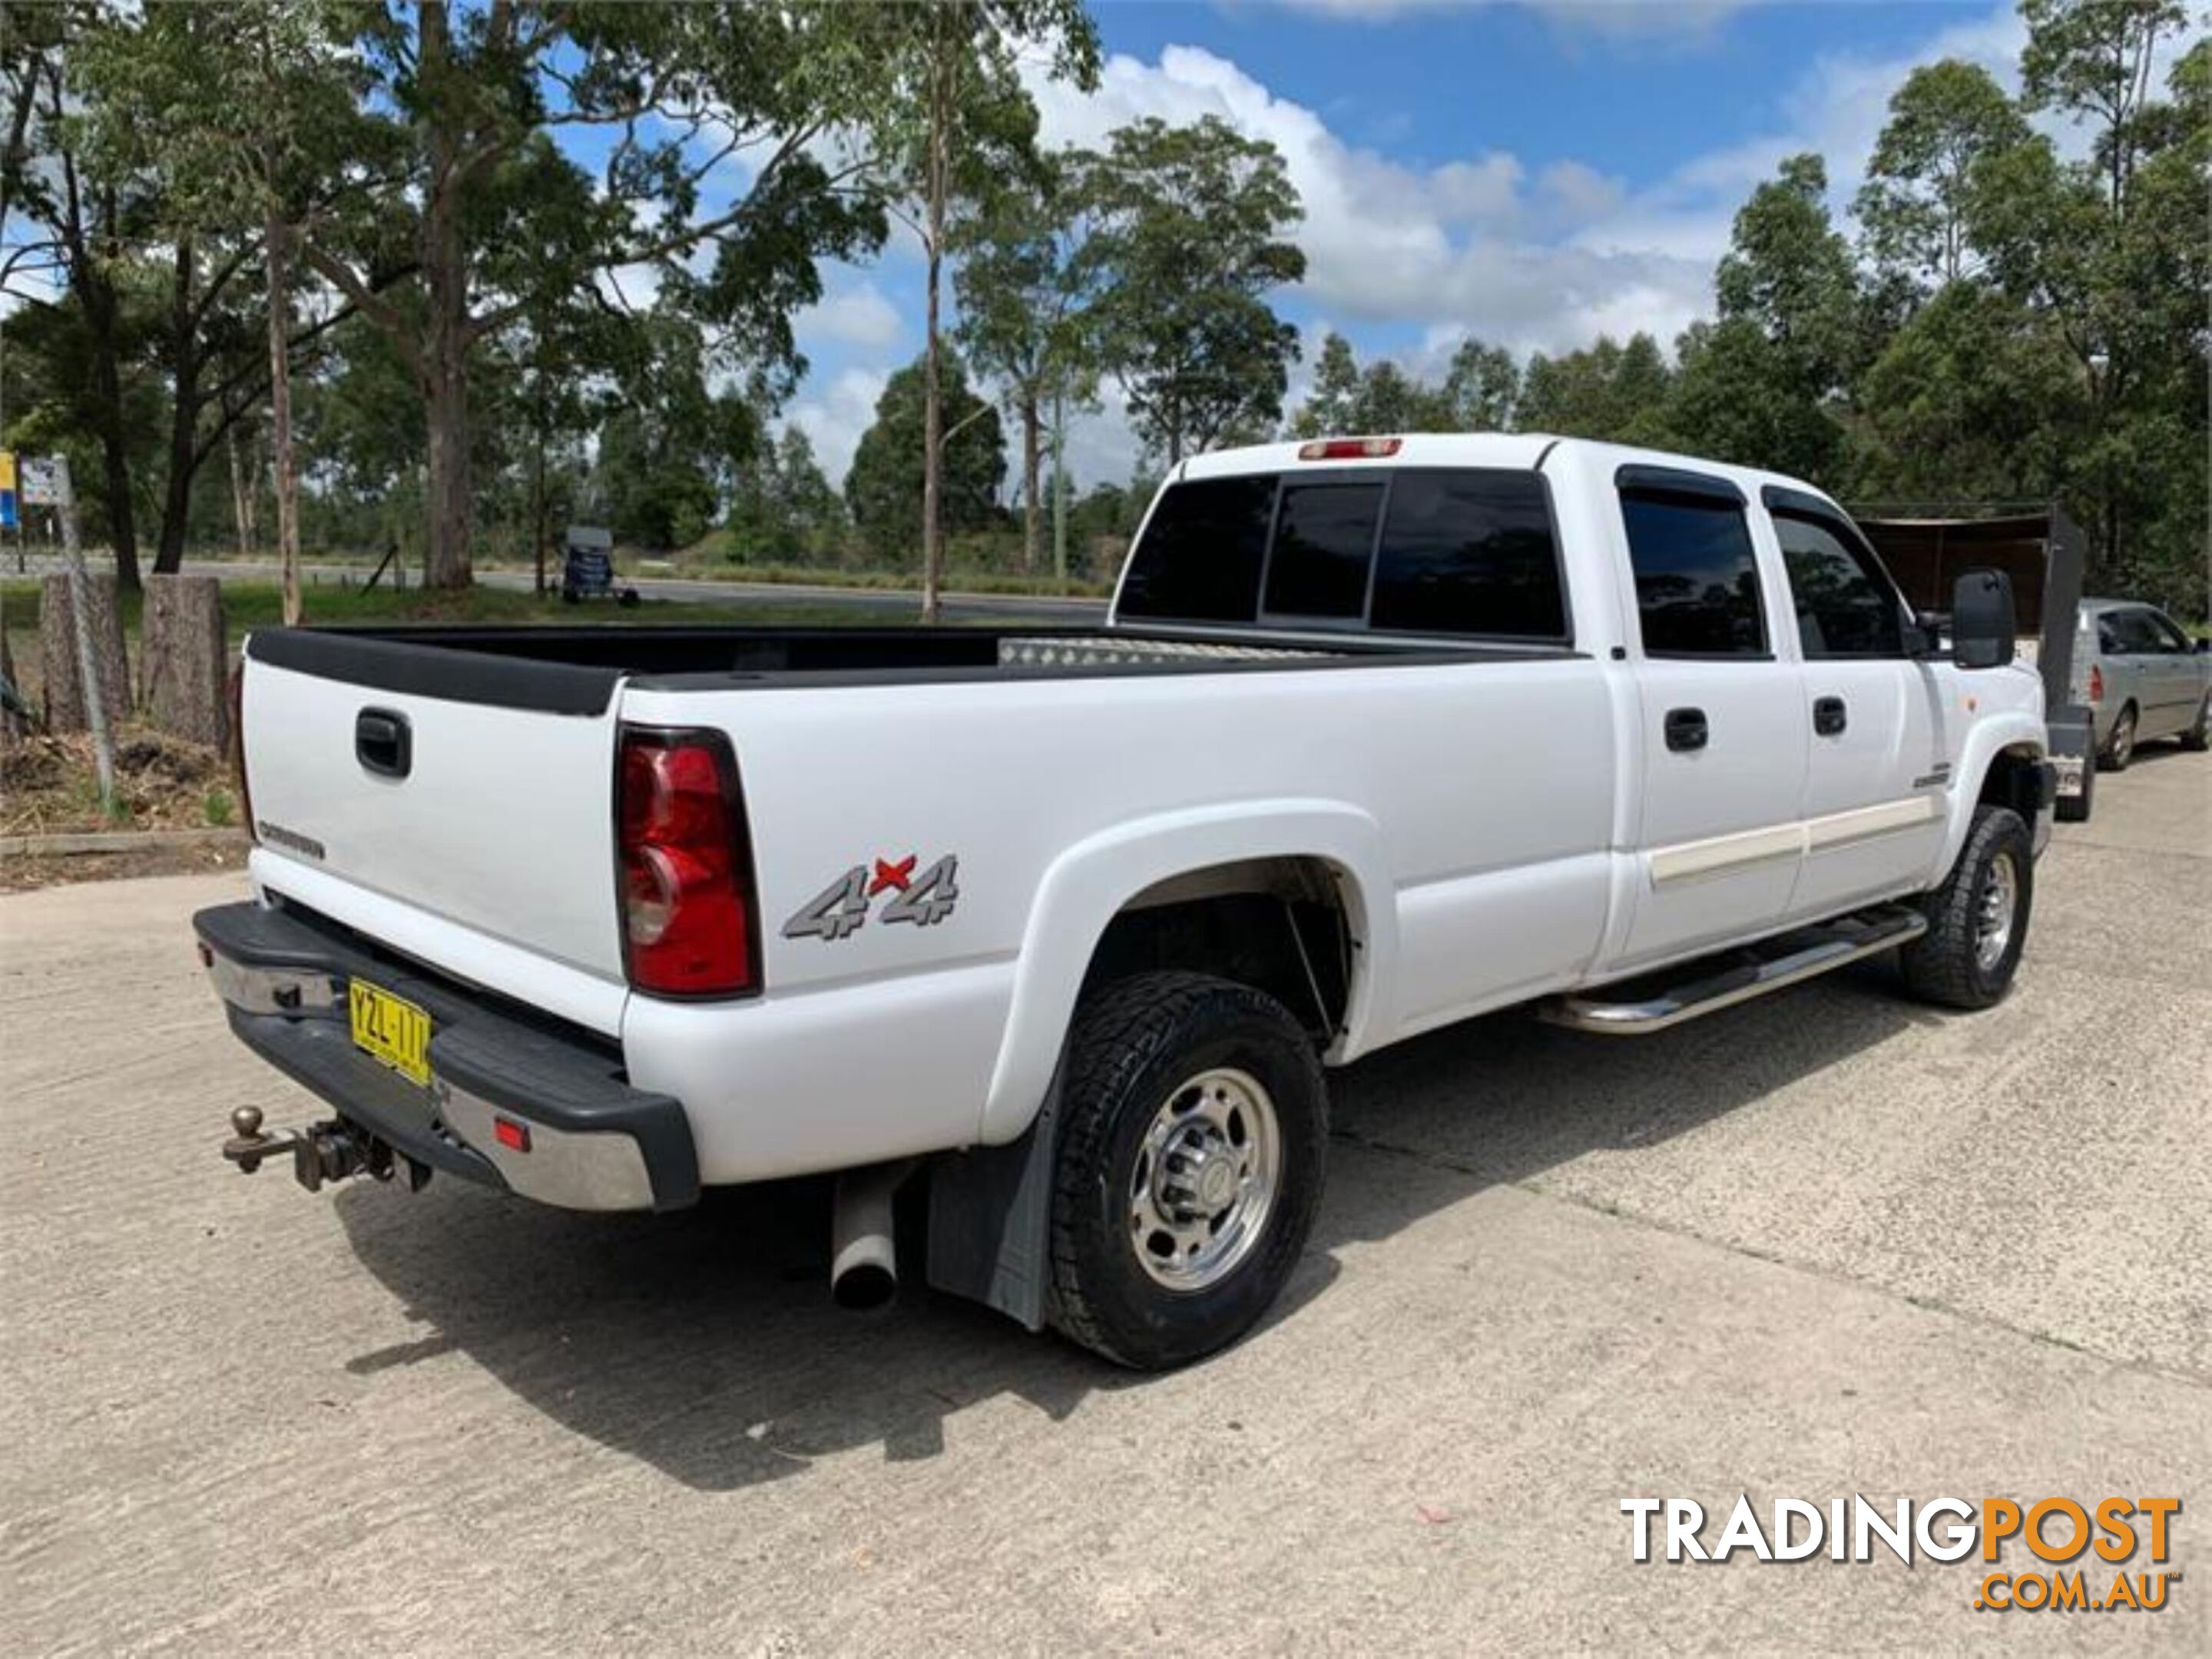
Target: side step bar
(1655, 1001)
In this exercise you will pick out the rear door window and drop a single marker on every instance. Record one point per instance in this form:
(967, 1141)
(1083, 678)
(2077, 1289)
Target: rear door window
(1470, 552)
(1697, 581)
(1324, 544)
(1199, 559)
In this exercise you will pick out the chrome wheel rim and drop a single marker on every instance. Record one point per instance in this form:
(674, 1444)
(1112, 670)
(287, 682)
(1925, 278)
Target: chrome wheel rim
(2000, 904)
(1205, 1178)
(2124, 738)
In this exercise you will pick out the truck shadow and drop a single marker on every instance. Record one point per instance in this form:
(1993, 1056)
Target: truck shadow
(705, 1343)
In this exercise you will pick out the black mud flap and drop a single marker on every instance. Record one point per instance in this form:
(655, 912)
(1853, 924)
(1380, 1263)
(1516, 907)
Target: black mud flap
(990, 1220)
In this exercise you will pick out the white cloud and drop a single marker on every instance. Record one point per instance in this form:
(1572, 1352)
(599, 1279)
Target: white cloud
(1836, 109)
(858, 316)
(1464, 244)
(834, 416)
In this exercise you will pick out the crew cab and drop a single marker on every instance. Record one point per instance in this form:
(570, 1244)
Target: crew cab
(1070, 924)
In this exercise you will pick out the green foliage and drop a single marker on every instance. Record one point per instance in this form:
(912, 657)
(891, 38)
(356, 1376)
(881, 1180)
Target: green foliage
(1608, 391)
(782, 510)
(883, 487)
(1191, 227)
(1478, 393)
(1916, 205)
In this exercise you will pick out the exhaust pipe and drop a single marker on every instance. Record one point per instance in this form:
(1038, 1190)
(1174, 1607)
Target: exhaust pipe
(863, 1259)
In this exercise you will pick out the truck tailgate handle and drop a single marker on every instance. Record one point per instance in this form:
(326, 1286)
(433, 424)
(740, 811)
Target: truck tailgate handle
(383, 743)
(1686, 730)
(1829, 718)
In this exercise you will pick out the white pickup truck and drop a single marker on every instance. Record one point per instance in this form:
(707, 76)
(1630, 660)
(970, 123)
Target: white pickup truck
(1380, 733)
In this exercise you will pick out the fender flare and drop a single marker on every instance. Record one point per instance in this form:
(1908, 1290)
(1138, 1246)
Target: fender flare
(1088, 883)
(1988, 739)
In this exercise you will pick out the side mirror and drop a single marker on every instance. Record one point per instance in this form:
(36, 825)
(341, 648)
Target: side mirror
(1931, 625)
(2203, 647)
(1983, 632)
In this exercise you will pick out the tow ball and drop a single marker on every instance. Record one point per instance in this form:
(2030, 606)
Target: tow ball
(330, 1151)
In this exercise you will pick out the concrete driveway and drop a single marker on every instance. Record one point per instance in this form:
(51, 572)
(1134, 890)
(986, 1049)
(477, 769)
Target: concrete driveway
(1828, 1243)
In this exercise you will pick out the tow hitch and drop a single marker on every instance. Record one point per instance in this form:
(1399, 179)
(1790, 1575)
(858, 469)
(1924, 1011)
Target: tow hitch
(330, 1151)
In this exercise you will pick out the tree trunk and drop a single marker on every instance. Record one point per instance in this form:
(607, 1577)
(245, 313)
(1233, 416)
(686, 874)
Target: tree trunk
(95, 296)
(12, 724)
(241, 490)
(58, 664)
(444, 369)
(540, 418)
(1059, 486)
(184, 416)
(182, 658)
(1032, 472)
(280, 412)
(933, 405)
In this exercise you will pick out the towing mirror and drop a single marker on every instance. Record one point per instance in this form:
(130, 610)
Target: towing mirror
(1983, 632)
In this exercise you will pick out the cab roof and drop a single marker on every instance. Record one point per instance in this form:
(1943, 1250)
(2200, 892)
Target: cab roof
(1510, 450)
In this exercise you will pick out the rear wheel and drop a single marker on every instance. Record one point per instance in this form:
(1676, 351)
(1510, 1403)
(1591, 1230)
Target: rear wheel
(1978, 919)
(2120, 747)
(1194, 1133)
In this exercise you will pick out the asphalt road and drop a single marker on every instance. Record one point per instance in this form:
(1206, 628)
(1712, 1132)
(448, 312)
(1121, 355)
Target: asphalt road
(1829, 1242)
(958, 607)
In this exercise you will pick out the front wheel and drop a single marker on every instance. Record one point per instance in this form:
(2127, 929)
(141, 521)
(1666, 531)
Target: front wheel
(1194, 1140)
(1978, 919)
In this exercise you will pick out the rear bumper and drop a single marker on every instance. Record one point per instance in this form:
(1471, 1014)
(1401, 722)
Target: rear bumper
(589, 1141)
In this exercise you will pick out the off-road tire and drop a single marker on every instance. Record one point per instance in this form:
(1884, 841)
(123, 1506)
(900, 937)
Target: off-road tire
(1133, 1042)
(2115, 757)
(1942, 965)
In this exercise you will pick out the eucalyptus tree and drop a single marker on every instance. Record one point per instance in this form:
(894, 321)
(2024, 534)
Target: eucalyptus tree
(710, 188)
(1027, 283)
(1194, 222)
(950, 123)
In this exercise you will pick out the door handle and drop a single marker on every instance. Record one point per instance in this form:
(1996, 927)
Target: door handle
(1829, 716)
(383, 743)
(1686, 730)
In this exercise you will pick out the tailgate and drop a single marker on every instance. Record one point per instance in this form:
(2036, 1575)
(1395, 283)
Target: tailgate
(474, 786)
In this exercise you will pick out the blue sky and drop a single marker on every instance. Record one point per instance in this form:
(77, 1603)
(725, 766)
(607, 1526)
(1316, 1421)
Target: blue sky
(1534, 171)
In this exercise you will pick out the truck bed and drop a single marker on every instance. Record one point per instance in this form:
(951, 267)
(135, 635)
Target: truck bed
(574, 670)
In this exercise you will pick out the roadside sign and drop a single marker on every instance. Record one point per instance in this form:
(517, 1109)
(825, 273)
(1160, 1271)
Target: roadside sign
(41, 481)
(8, 519)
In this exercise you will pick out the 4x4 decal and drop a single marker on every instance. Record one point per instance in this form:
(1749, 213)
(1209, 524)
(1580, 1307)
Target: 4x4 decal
(840, 910)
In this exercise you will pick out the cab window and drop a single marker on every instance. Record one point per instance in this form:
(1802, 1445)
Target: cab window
(1199, 559)
(1845, 605)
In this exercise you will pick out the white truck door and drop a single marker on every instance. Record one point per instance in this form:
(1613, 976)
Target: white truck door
(1723, 731)
(1875, 784)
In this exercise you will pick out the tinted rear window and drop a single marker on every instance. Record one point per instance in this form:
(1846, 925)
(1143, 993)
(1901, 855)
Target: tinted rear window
(1463, 550)
(1199, 559)
(1469, 553)
(1324, 542)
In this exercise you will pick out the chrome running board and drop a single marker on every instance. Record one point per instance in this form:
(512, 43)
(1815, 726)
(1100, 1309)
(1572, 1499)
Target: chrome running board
(1652, 1002)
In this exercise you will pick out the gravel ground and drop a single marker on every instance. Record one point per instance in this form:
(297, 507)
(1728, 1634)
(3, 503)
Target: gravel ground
(1825, 1244)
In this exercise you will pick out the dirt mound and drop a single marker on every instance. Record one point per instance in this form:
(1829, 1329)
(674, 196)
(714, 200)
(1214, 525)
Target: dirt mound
(49, 785)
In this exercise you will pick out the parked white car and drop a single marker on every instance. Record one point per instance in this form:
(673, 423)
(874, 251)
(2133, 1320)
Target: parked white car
(1380, 734)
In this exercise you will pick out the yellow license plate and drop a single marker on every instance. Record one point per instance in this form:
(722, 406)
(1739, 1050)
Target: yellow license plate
(391, 1029)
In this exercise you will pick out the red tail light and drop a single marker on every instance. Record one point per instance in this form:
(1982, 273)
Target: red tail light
(2096, 684)
(689, 928)
(1349, 449)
